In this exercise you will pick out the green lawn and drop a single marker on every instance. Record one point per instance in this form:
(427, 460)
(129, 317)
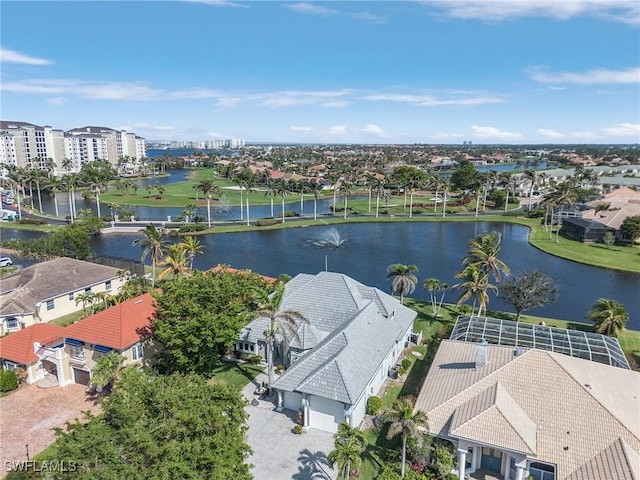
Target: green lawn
(235, 374)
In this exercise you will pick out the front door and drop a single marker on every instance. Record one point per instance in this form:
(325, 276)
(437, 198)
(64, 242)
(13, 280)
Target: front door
(491, 459)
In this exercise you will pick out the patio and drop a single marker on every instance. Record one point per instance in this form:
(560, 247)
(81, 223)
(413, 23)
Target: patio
(484, 475)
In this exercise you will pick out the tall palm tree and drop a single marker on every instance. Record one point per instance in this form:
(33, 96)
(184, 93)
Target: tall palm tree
(175, 262)
(475, 285)
(346, 189)
(349, 443)
(564, 194)
(531, 176)
(271, 192)
(437, 183)
(404, 279)
(404, 422)
(315, 190)
(435, 286)
(283, 190)
(445, 193)
(96, 187)
(284, 323)
(192, 248)
(506, 178)
(610, 317)
(152, 244)
(483, 251)
(55, 184)
(208, 188)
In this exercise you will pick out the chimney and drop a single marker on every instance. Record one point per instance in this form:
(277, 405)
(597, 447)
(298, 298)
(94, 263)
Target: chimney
(481, 353)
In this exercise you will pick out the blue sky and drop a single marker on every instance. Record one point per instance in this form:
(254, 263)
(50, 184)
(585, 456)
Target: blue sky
(522, 71)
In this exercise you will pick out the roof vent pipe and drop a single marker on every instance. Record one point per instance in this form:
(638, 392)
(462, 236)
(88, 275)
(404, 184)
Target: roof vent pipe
(481, 353)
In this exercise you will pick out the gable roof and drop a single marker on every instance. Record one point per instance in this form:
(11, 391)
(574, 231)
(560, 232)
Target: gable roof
(118, 327)
(576, 405)
(20, 291)
(18, 346)
(361, 325)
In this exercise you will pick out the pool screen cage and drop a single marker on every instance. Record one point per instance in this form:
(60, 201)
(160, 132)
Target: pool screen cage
(576, 343)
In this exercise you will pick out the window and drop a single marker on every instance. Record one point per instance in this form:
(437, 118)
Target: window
(50, 305)
(107, 285)
(87, 291)
(71, 296)
(137, 352)
(77, 352)
(12, 323)
(10, 366)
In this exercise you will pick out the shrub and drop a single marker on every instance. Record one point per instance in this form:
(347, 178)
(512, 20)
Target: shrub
(31, 221)
(190, 227)
(297, 429)
(253, 359)
(279, 369)
(265, 222)
(374, 404)
(8, 380)
(406, 363)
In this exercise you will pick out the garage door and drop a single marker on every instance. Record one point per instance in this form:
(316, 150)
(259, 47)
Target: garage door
(325, 414)
(82, 377)
(292, 401)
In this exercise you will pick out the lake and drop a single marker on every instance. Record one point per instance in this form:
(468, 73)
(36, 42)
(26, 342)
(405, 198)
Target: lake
(368, 249)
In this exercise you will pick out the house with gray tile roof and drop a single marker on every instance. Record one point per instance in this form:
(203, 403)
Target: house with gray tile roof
(354, 336)
(515, 411)
(49, 290)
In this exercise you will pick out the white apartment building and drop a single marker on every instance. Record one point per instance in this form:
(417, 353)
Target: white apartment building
(31, 146)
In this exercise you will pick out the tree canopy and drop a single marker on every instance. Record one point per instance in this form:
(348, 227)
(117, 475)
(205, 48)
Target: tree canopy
(198, 318)
(158, 427)
(465, 177)
(528, 290)
(631, 228)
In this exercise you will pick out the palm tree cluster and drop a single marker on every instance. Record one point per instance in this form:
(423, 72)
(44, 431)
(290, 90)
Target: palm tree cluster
(480, 262)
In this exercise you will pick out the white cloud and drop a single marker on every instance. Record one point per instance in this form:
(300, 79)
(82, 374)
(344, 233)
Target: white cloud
(550, 133)
(623, 11)
(431, 101)
(373, 130)
(311, 9)
(494, 133)
(624, 130)
(57, 101)
(11, 56)
(338, 130)
(314, 9)
(590, 77)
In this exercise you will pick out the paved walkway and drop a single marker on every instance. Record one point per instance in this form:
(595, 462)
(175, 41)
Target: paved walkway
(279, 454)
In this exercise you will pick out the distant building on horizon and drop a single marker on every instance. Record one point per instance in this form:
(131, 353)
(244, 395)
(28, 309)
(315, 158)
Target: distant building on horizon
(26, 145)
(216, 144)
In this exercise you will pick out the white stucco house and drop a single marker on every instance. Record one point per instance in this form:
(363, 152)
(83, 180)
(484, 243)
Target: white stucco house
(354, 336)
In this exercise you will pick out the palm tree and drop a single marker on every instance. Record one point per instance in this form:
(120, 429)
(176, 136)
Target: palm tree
(208, 188)
(84, 298)
(271, 192)
(402, 421)
(346, 188)
(192, 248)
(483, 251)
(505, 178)
(531, 175)
(564, 194)
(281, 322)
(284, 191)
(96, 188)
(404, 279)
(445, 194)
(56, 185)
(175, 262)
(349, 443)
(435, 286)
(106, 371)
(475, 285)
(153, 244)
(315, 190)
(610, 317)
(437, 182)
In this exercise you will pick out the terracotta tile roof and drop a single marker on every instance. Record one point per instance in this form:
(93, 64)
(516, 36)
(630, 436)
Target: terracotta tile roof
(224, 268)
(21, 291)
(18, 346)
(576, 405)
(118, 327)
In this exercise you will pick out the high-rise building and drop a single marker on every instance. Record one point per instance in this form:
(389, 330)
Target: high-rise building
(31, 146)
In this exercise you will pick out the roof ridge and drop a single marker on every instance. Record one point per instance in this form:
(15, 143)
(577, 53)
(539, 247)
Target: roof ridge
(501, 390)
(327, 362)
(597, 400)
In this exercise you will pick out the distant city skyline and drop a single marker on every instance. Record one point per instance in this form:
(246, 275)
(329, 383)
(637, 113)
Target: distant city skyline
(429, 72)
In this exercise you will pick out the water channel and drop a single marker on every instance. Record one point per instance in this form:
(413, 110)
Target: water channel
(366, 250)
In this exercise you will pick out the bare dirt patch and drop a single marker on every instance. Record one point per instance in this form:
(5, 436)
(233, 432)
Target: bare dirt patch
(30, 413)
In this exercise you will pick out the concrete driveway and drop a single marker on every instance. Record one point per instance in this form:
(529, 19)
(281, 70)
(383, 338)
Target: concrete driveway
(280, 454)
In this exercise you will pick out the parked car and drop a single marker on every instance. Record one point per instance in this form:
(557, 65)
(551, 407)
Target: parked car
(5, 261)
